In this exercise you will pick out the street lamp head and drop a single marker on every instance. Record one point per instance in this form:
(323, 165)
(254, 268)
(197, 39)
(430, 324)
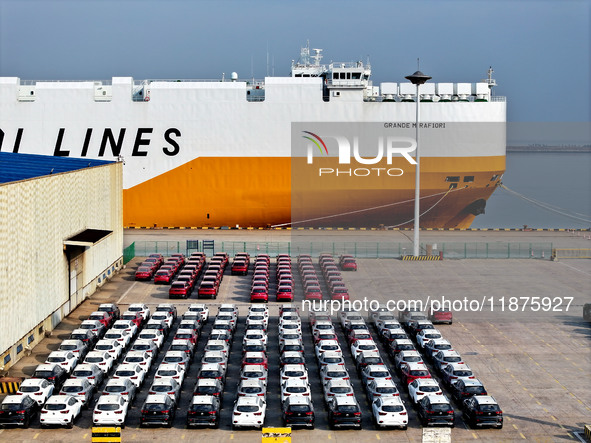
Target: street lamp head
(418, 78)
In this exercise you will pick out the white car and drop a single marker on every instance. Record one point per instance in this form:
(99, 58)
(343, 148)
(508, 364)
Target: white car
(215, 357)
(110, 410)
(290, 326)
(229, 307)
(291, 345)
(363, 345)
(142, 309)
(254, 346)
(289, 335)
(38, 389)
(252, 388)
(257, 372)
(249, 412)
(258, 324)
(134, 372)
(327, 345)
(217, 345)
(164, 316)
(374, 372)
(113, 347)
(121, 386)
(389, 411)
(66, 359)
(171, 370)
(337, 388)
(381, 387)
(295, 387)
(89, 371)
(81, 388)
(420, 387)
(290, 317)
(323, 325)
(142, 358)
(152, 334)
(168, 386)
(102, 359)
(425, 335)
(125, 325)
(331, 358)
(255, 317)
(255, 334)
(60, 410)
(454, 372)
(349, 316)
(95, 326)
(442, 358)
(145, 346)
(333, 372)
(407, 357)
(259, 309)
(290, 372)
(178, 357)
(121, 336)
(202, 309)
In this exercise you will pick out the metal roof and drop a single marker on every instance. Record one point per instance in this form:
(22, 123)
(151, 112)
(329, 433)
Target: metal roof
(15, 167)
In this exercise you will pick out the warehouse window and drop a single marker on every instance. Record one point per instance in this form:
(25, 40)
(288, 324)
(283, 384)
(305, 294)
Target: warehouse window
(31, 338)
(7, 359)
(19, 348)
(40, 330)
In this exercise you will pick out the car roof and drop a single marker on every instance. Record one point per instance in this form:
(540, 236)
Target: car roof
(345, 401)
(127, 366)
(109, 399)
(210, 366)
(88, 366)
(403, 341)
(415, 365)
(33, 381)
(410, 354)
(75, 381)
(379, 382)
(174, 353)
(427, 382)
(440, 341)
(106, 341)
(450, 353)
(252, 368)
(117, 381)
(295, 382)
(207, 381)
(391, 401)
(169, 366)
(251, 382)
(58, 398)
(375, 368)
(459, 366)
(485, 399)
(46, 367)
(472, 382)
(298, 400)
(434, 399)
(59, 353)
(163, 381)
(14, 399)
(338, 382)
(157, 398)
(430, 331)
(252, 401)
(368, 353)
(202, 399)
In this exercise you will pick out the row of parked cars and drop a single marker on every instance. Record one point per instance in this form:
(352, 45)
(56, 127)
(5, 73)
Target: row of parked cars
(185, 278)
(434, 407)
(261, 284)
(333, 278)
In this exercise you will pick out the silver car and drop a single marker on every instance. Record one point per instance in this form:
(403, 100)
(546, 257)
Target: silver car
(121, 386)
(168, 386)
(89, 371)
(81, 388)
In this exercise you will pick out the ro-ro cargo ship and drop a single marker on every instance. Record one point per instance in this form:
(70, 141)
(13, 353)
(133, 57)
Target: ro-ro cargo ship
(230, 152)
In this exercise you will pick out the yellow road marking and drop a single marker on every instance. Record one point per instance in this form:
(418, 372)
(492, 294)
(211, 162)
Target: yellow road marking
(84, 436)
(35, 436)
(518, 382)
(546, 410)
(509, 419)
(378, 436)
(524, 388)
(329, 437)
(475, 436)
(183, 437)
(231, 436)
(531, 395)
(537, 401)
(554, 418)
(514, 426)
(522, 436)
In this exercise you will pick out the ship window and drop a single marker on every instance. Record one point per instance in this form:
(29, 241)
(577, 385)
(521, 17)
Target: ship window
(356, 75)
(335, 75)
(453, 186)
(468, 178)
(343, 75)
(494, 177)
(348, 76)
(452, 178)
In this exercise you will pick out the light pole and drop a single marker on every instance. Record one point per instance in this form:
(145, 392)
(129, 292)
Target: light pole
(418, 78)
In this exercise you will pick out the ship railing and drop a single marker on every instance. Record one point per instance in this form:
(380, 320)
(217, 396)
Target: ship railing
(397, 98)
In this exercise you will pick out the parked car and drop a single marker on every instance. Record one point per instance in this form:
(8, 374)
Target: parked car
(344, 412)
(158, 410)
(38, 389)
(381, 388)
(420, 387)
(121, 386)
(134, 372)
(110, 410)
(252, 388)
(168, 386)
(102, 359)
(86, 336)
(435, 410)
(411, 371)
(81, 388)
(66, 359)
(60, 410)
(78, 347)
(90, 372)
(249, 412)
(204, 410)
(464, 389)
(389, 412)
(209, 386)
(454, 372)
(18, 410)
(441, 316)
(298, 411)
(482, 410)
(111, 309)
(53, 373)
(104, 317)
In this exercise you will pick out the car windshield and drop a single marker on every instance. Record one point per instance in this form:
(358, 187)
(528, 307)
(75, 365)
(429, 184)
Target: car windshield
(121, 325)
(56, 359)
(379, 374)
(79, 336)
(386, 390)
(10, 406)
(170, 359)
(135, 309)
(392, 408)
(94, 359)
(373, 360)
(332, 360)
(336, 374)
(440, 407)
(102, 347)
(178, 347)
(141, 347)
(463, 373)
(341, 389)
(115, 388)
(296, 389)
(348, 408)
(429, 388)
(367, 347)
(489, 408)
(107, 407)
(29, 388)
(154, 406)
(125, 373)
(201, 408)
(408, 347)
(452, 359)
(252, 374)
(247, 408)
(299, 408)
(73, 388)
(82, 373)
(443, 347)
(68, 347)
(432, 335)
(252, 389)
(412, 359)
(162, 388)
(167, 372)
(419, 373)
(55, 406)
(206, 390)
(475, 390)
(43, 374)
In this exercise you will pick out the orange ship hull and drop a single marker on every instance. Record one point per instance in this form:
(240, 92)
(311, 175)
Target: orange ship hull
(269, 191)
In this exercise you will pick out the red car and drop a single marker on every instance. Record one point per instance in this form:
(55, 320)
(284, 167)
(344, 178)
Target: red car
(284, 293)
(313, 293)
(339, 293)
(134, 316)
(163, 276)
(239, 267)
(207, 289)
(255, 358)
(409, 372)
(158, 257)
(186, 334)
(144, 273)
(104, 317)
(348, 263)
(179, 289)
(259, 293)
(441, 316)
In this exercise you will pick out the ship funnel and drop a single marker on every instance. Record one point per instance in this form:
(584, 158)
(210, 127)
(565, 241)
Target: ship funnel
(234, 76)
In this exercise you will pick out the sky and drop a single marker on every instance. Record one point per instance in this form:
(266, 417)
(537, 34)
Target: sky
(540, 50)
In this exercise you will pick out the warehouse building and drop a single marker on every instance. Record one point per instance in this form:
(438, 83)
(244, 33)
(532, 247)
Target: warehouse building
(61, 237)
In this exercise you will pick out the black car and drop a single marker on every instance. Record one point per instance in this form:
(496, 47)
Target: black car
(53, 373)
(204, 411)
(365, 358)
(435, 410)
(84, 335)
(482, 410)
(111, 309)
(464, 389)
(209, 386)
(344, 412)
(158, 410)
(298, 411)
(161, 325)
(18, 410)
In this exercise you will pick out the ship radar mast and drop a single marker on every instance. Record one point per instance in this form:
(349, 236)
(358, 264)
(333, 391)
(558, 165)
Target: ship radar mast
(490, 81)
